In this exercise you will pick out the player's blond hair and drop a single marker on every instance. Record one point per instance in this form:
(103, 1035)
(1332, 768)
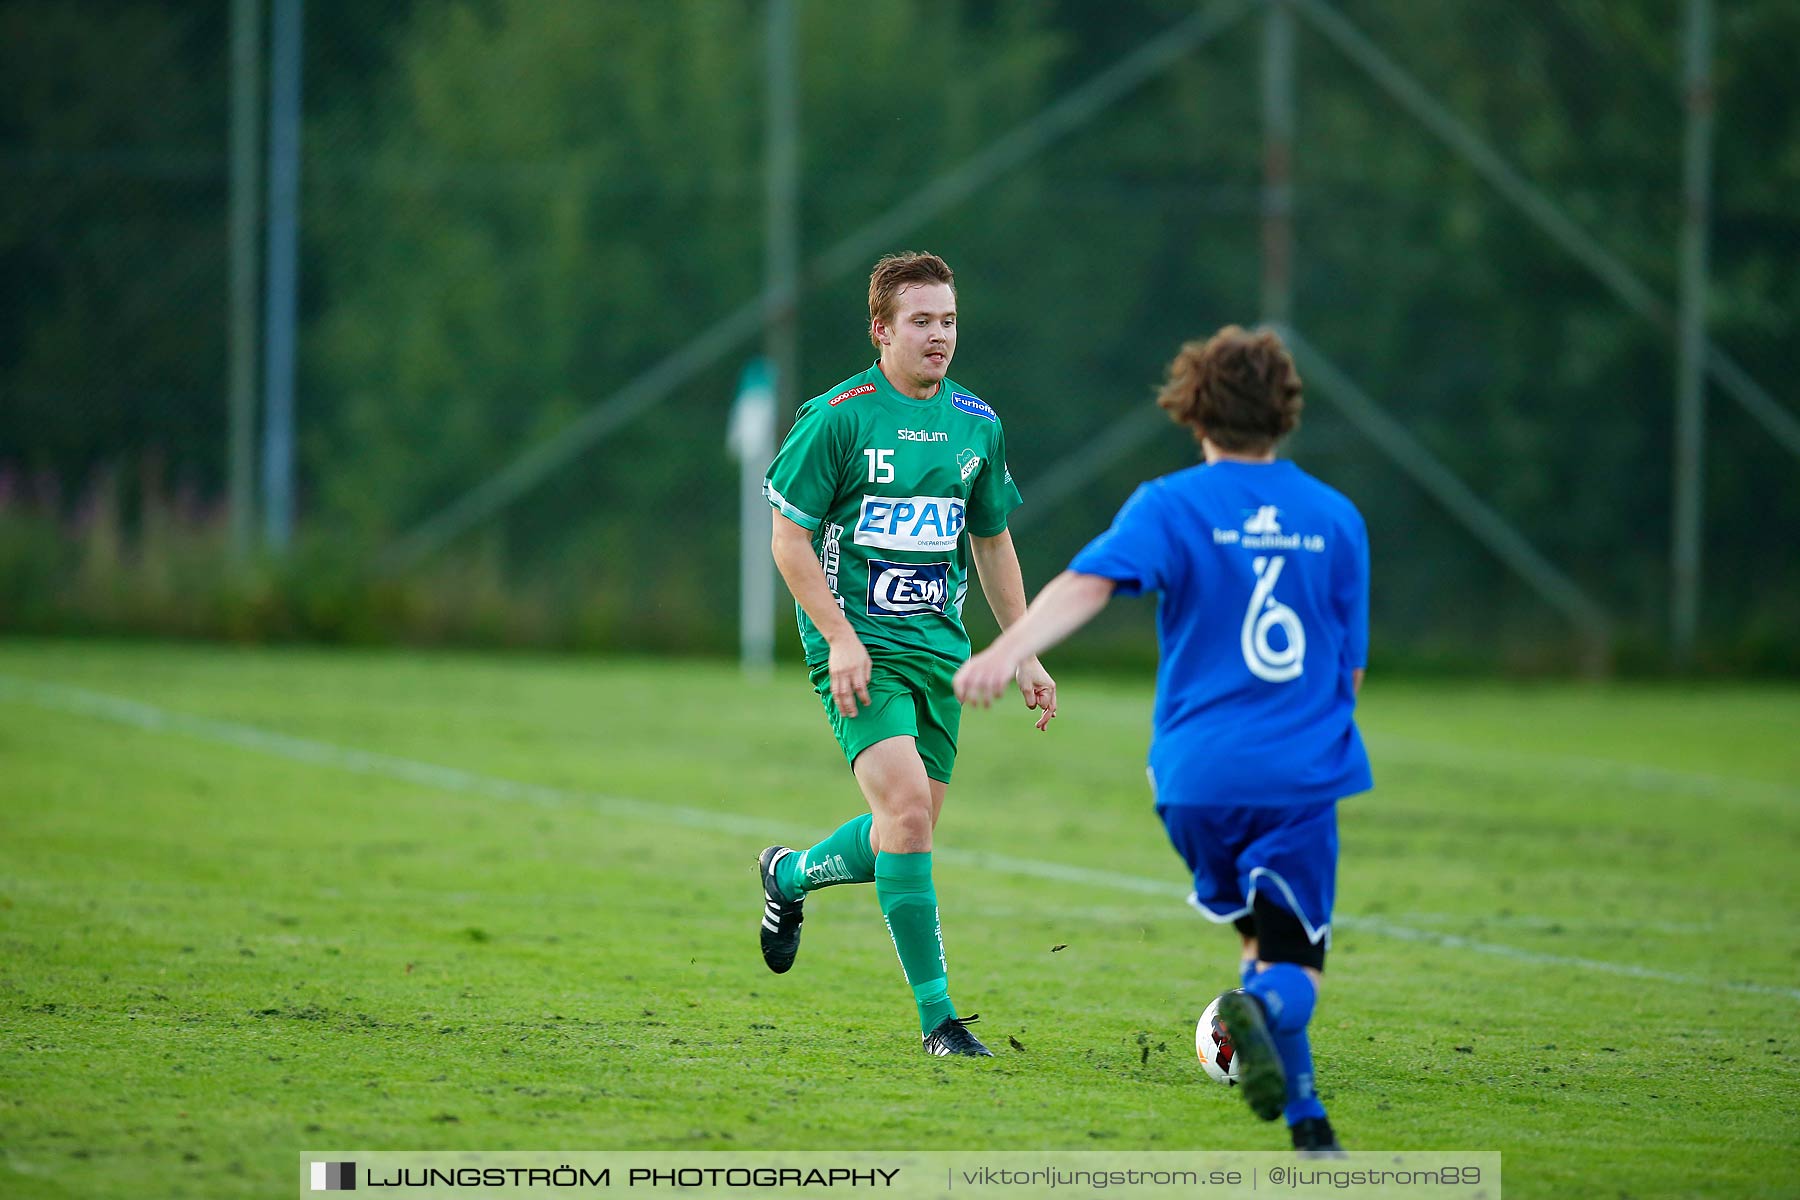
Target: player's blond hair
(1238, 389)
(893, 274)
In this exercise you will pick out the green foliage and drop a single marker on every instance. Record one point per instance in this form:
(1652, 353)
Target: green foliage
(178, 578)
(220, 951)
(112, 238)
(512, 209)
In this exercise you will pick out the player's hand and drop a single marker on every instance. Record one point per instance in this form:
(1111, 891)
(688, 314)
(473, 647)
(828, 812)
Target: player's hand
(983, 679)
(849, 667)
(1038, 689)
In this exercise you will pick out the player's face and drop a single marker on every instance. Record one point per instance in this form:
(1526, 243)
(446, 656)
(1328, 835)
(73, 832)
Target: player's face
(921, 340)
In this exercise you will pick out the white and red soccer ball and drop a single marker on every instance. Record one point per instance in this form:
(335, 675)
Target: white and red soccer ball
(1213, 1045)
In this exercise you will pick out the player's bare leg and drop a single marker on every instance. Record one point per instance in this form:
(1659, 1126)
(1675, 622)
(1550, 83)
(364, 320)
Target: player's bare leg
(900, 795)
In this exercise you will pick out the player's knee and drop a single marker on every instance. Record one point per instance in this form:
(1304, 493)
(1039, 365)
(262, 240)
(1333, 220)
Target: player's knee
(1281, 937)
(906, 829)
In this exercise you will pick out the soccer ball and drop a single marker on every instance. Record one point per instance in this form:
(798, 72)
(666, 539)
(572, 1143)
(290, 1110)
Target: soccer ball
(1217, 1058)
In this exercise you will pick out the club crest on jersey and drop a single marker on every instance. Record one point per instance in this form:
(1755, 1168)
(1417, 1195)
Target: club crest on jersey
(864, 390)
(971, 405)
(910, 522)
(968, 462)
(908, 589)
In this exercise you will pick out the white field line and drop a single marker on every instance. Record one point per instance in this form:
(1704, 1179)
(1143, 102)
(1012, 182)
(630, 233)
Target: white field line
(152, 719)
(1633, 776)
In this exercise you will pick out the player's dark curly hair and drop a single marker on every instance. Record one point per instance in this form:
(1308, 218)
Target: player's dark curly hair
(1238, 389)
(896, 272)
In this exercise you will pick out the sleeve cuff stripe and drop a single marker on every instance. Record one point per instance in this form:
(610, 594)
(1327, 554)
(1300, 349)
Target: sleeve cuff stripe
(781, 505)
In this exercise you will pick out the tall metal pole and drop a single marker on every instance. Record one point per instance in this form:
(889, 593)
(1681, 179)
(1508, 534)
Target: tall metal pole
(782, 334)
(782, 191)
(1690, 399)
(1278, 163)
(751, 439)
(246, 105)
(282, 306)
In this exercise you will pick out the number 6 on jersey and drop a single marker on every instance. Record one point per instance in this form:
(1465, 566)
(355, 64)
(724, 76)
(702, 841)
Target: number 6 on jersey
(1265, 612)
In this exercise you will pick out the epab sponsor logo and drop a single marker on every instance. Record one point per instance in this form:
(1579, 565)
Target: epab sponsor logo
(910, 523)
(908, 589)
(973, 406)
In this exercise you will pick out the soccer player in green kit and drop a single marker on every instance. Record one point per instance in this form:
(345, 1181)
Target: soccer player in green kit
(873, 490)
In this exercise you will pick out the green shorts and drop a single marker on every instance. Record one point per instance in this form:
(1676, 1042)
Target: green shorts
(906, 699)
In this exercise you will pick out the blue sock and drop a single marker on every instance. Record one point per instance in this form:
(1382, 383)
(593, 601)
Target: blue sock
(1288, 997)
(1296, 1060)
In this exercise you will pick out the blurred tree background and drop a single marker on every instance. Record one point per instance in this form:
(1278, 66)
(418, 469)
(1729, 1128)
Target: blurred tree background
(511, 208)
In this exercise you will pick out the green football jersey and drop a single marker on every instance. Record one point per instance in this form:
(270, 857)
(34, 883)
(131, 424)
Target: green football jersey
(888, 485)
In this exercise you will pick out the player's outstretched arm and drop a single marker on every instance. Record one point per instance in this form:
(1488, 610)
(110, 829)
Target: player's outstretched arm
(997, 562)
(791, 544)
(1068, 602)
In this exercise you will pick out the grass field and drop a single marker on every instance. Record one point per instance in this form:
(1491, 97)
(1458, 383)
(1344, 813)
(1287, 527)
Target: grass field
(253, 902)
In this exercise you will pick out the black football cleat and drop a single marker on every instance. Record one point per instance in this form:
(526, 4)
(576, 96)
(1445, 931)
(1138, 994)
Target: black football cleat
(1313, 1138)
(1260, 1075)
(781, 916)
(952, 1036)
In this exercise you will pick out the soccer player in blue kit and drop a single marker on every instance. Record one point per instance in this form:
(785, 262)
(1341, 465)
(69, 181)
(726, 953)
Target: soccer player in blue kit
(1263, 575)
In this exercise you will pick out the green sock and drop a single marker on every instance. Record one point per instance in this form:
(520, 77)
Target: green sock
(843, 857)
(909, 903)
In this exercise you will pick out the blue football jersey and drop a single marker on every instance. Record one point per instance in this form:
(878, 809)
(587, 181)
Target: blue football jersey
(1263, 578)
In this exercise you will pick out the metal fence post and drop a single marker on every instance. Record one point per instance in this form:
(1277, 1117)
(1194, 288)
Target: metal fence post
(246, 105)
(1690, 340)
(282, 309)
(1278, 164)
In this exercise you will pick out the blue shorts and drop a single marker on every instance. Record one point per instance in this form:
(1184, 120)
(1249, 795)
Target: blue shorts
(1289, 854)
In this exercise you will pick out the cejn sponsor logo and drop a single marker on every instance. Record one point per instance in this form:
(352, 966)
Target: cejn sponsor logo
(910, 523)
(923, 435)
(908, 589)
(864, 390)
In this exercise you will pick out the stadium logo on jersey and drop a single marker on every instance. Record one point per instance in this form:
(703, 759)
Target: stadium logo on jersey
(970, 404)
(1264, 521)
(969, 462)
(1264, 615)
(922, 435)
(910, 523)
(864, 390)
(908, 589)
